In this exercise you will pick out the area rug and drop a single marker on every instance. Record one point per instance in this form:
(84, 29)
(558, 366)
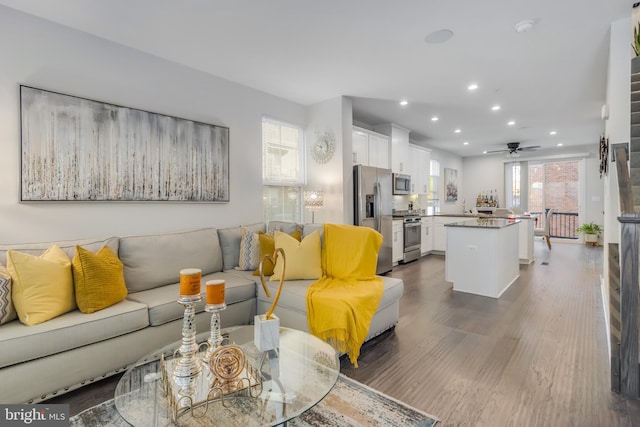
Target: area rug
(350, 403)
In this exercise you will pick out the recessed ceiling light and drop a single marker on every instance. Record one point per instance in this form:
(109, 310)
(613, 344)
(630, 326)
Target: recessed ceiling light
(484, 152)
(434, 119)
(472, 86)
(495, 108)
(560, 144)
(439, 36)
(553, 132)
(511, 123)
(458, 130)
(465, 143)
(404, 102)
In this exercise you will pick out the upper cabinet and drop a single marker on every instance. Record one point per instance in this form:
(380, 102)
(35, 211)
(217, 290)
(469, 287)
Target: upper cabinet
(399, 146)
(419, 162)
(379, 151)
(370, 148)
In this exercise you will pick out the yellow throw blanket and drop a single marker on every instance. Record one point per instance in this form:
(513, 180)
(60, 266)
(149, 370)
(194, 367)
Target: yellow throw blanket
(342, 303)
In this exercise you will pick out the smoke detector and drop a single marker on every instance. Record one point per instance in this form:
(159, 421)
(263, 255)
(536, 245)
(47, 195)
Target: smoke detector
(524, 26)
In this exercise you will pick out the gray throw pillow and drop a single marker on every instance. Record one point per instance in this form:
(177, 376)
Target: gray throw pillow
(230, 239)
(284, 226)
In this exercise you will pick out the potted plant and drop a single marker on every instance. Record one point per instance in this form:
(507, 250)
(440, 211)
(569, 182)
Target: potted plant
(591, 232)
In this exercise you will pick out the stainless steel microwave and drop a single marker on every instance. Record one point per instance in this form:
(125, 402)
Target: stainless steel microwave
(401, 184)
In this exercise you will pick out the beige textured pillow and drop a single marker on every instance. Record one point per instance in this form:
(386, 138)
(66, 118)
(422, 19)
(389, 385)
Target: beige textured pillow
(98, 279)
(42, 286)
(303, 259)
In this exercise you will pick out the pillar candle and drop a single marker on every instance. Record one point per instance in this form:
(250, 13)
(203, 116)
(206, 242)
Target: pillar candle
(215, 292)
(190, 281)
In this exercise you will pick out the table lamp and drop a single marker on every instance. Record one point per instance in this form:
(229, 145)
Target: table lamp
(313, 200)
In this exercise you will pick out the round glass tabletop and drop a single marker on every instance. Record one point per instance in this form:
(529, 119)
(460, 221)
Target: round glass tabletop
(291, 381)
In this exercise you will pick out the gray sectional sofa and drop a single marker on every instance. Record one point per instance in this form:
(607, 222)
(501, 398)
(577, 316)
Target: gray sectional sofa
(64, 353)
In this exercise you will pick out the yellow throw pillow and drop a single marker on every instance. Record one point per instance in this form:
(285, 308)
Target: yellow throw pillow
(268, 247)
(98, 279)
(42, 286)
(303, 259)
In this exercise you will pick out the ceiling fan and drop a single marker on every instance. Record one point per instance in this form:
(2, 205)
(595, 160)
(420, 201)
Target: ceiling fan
(513, 149)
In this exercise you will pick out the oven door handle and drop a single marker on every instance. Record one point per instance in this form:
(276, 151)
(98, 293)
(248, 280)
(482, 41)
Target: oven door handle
(412, 224)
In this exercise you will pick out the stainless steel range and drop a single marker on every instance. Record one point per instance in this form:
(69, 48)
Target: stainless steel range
(412, 237)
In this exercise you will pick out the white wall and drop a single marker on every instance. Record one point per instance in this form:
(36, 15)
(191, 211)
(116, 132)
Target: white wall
(347, 160)
(328, 177)
(39, 53)
(617, 129)
(482, 175)
(450, 161)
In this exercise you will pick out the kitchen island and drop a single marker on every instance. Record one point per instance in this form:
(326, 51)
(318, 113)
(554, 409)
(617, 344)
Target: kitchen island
(482, 255)
(525, 233)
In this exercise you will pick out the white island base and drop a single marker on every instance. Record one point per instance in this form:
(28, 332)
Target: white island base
(482, 256)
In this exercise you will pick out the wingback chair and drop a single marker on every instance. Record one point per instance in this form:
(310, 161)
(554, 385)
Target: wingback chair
(544, 232)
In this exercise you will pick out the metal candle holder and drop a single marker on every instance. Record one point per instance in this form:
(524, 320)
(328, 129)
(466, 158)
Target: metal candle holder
(215, 337)
(189, 366)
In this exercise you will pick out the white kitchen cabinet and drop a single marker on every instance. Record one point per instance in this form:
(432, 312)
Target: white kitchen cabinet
(370, 148)
(379, 151)
(399, 146)
(425, 171)
(439, 232)
(426, 240)
(360, 146)
(491, 249)
(419, 161)
(398, 241)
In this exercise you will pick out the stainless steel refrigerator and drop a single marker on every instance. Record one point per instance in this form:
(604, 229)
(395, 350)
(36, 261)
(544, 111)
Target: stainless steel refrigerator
(373, 208)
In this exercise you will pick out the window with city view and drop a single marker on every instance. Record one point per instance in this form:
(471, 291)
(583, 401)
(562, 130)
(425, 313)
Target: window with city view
(556, 185)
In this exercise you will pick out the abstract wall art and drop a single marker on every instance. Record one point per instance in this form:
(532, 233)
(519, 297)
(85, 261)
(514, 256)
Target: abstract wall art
(451, 184)
(77, 149)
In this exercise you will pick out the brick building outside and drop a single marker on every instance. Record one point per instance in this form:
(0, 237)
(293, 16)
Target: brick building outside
(555, 185)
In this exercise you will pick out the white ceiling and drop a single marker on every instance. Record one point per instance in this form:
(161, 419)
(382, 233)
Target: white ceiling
(550, 78)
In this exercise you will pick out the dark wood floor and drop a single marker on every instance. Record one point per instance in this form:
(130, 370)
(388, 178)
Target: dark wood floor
(535, 357)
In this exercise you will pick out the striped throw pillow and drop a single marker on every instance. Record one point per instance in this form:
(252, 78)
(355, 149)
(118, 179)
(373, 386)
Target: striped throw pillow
(7, 311)
(249, 251)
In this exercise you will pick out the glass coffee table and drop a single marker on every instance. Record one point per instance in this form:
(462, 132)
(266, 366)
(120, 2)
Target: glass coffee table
(299, 376)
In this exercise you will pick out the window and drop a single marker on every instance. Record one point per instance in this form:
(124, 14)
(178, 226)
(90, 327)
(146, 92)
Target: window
(513, 188)
(433, 199)
(556, 185)
(282, 171)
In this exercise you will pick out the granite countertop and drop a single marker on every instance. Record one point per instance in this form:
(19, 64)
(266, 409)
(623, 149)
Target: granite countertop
(480, 216)
(483, 223)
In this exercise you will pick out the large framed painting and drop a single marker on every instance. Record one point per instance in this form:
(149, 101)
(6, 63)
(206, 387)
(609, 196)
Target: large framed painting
(451, 184)
(77, 149)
